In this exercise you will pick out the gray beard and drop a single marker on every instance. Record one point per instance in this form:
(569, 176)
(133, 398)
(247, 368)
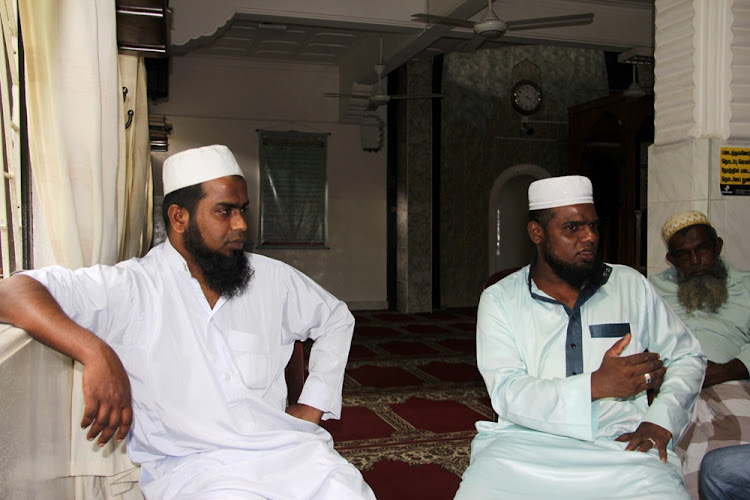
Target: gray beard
(707, 292)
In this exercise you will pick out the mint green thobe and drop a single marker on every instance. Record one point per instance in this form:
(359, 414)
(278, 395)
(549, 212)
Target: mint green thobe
(724, 335)
(537, 355)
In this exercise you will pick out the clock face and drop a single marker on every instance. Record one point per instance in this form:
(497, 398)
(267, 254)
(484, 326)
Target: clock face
(526, 97)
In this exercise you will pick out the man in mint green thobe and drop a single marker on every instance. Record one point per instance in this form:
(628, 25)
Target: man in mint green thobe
(560, 344)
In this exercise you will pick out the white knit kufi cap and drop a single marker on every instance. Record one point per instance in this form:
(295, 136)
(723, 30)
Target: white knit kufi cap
(193, 166)
(559, 192)
(681, 221)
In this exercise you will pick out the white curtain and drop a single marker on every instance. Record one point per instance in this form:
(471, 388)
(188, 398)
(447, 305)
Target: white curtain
(91, 176)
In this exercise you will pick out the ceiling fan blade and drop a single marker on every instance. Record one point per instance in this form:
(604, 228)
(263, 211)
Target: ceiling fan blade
(427, 96)
(357, 96)
(430, 18)
(550, 22)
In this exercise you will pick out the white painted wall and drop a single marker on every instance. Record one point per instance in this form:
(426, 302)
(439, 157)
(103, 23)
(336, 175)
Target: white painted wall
(225, 102)
(686, 176)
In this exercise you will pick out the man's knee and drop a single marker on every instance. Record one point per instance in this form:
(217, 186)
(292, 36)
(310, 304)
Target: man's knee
(724, 472)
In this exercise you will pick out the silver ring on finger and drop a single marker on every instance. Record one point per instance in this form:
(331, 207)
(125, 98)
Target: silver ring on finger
(648, 379)
(653, 442)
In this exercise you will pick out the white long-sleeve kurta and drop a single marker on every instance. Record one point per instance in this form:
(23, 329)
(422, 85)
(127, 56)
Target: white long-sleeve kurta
(208, 385)
(537, 355)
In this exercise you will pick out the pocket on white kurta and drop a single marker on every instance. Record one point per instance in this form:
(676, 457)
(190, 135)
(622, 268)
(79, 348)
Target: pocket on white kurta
(251, 355)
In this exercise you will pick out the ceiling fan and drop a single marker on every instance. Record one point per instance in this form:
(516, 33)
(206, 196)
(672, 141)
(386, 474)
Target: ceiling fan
(633, 92)
(380, 96)
(491, 26)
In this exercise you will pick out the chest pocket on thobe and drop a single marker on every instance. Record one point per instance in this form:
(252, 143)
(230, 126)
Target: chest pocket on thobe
(251, 355)
(609, 330)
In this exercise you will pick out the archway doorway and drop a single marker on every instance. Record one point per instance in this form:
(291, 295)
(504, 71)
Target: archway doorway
(509, 245)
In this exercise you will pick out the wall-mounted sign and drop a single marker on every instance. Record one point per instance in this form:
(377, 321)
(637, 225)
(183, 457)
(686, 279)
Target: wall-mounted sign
(735, 171)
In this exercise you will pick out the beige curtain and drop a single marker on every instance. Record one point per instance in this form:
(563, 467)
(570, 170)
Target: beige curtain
(135, 187)
(91, 176)
(72, 108)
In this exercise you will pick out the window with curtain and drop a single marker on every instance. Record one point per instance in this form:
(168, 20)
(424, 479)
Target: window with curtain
(293, 189)
(11, 236)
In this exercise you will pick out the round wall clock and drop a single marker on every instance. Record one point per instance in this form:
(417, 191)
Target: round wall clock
(526, 97)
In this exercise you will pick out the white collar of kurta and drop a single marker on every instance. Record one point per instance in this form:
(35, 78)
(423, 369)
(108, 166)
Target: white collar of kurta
(179, 265)
(176, 261)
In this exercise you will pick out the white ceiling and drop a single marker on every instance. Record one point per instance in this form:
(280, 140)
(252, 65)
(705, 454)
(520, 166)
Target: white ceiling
(249, 37)
(348, 33)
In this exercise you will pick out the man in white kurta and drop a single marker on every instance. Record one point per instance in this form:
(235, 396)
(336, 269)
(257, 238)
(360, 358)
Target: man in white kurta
(208, 384)
(206, 370)
(545, 357)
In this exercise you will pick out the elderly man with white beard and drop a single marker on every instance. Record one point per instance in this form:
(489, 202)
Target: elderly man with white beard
(712, 298)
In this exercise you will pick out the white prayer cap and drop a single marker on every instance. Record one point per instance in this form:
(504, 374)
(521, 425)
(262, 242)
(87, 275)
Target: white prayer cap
(560, 191)
(681, 221)
(193, 166)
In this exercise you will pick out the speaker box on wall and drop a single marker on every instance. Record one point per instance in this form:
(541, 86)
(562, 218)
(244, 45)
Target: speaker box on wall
(142, 27)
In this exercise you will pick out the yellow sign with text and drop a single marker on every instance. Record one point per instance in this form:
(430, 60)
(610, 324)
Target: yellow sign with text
(735, 171)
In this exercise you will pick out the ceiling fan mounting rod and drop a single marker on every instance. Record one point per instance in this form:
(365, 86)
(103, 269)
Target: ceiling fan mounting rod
(490, 14)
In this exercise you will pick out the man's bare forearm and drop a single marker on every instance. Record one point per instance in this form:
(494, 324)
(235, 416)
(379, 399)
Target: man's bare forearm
(717, 373)
(26, 303)
(305, 412)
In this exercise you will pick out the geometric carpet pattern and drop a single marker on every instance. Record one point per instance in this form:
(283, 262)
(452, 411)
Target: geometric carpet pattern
(412, 394)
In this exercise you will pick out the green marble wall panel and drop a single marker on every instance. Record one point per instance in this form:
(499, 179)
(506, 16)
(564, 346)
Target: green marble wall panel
(414, 212)
(481, 137)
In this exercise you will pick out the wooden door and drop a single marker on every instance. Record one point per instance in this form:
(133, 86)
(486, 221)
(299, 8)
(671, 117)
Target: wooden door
(607, 139)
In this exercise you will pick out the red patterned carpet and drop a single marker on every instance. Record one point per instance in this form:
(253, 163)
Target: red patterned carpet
(411, 396)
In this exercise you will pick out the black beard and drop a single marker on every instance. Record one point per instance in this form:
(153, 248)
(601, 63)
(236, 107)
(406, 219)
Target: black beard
(576, 275)
(704, 292)
(227, 275)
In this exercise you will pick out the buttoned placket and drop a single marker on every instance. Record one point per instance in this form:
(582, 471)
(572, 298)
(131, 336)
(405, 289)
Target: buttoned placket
(574, 331)
(216, 350)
